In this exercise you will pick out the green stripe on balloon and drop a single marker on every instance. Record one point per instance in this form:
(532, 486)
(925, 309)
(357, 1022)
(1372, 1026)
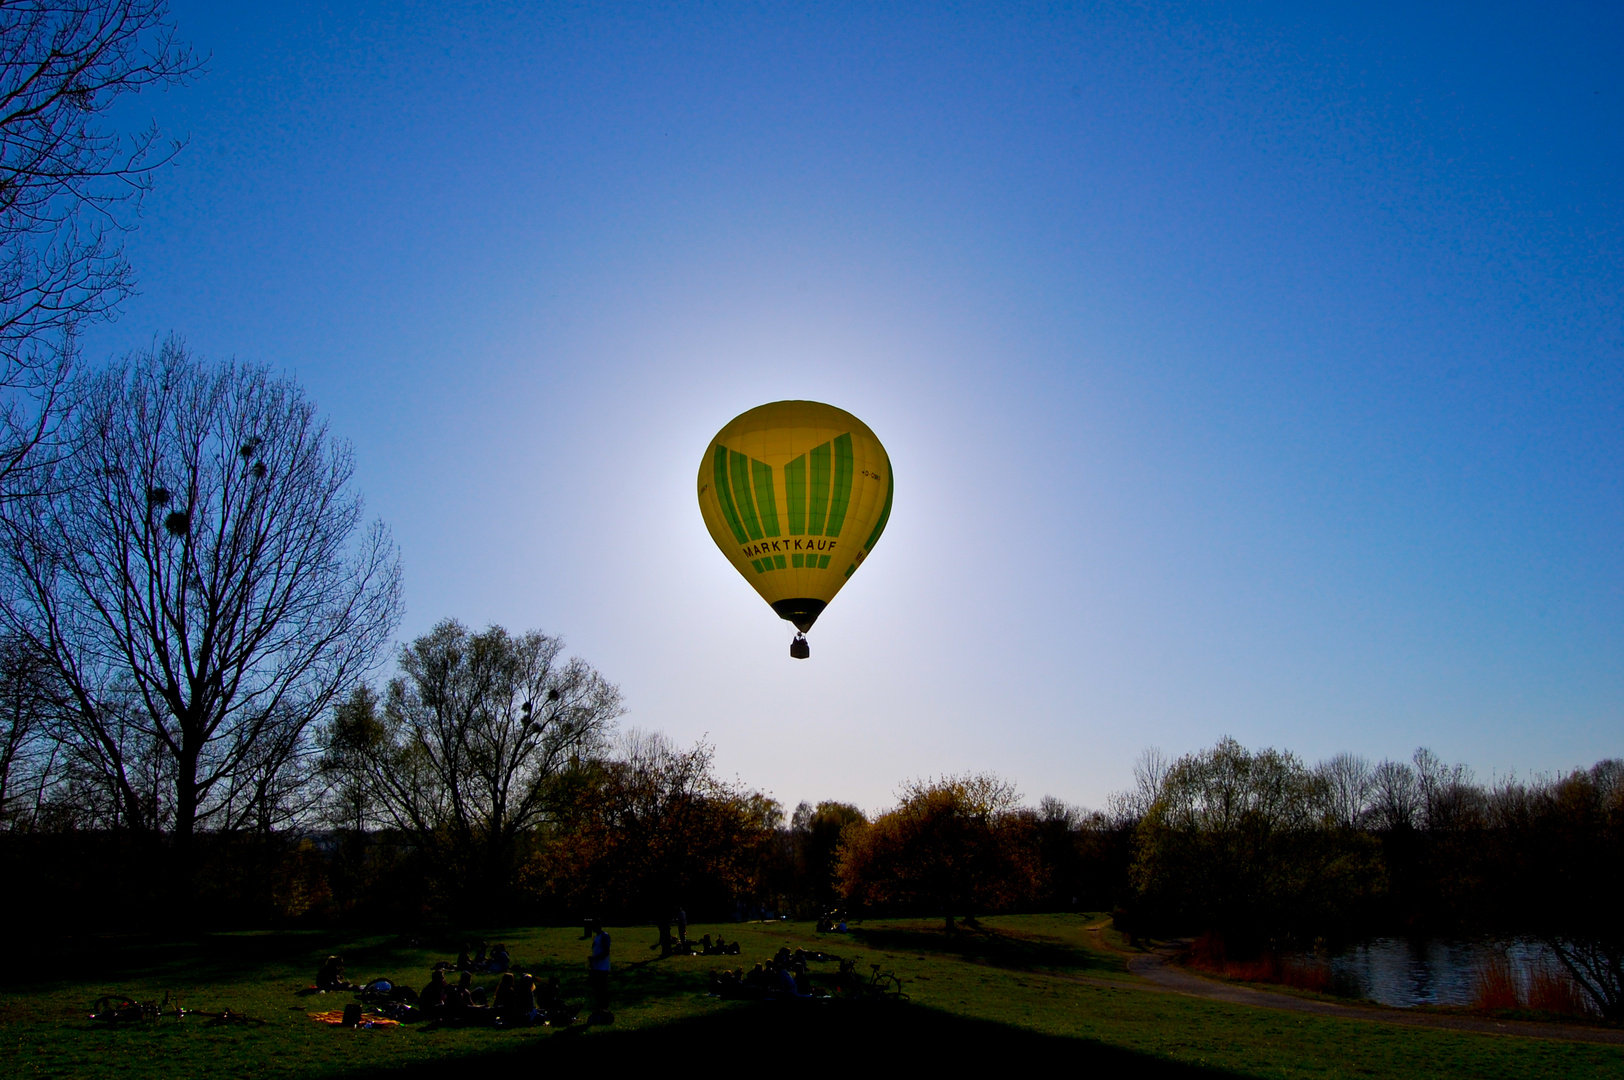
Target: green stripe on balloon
(820, 489)
(725, 497)
(766, 502)
(739, 468)
(840, 498)
(795, 495)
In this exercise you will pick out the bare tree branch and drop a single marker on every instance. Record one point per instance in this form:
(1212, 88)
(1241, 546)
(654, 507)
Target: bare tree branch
(69, 188)
(202, 582)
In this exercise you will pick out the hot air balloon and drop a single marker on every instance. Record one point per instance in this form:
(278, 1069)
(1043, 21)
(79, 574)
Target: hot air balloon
(796, 494)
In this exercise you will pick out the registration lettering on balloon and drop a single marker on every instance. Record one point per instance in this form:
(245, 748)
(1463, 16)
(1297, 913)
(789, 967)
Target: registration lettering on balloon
(778, 492)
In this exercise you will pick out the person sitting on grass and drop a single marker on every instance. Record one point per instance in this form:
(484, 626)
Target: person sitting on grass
(757, 977)
(479, 959)
(466, 993)
(463, 961)
(331, 975)
(551, 1004)
(499, 960)
(727, 984)
(769, 977)
(465, 1003)
(435, 996)
(506, 1002)
(526, 1003)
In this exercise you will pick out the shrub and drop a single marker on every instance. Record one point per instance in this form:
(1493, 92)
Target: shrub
(1550, 989)
(1494, 986)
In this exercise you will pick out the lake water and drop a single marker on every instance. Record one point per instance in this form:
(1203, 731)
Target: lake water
(1405, 972)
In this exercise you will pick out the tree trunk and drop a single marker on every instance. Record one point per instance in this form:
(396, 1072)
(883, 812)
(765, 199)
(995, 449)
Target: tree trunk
(184, 849)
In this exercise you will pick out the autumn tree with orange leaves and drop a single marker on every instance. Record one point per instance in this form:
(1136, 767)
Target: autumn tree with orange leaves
(954, 847)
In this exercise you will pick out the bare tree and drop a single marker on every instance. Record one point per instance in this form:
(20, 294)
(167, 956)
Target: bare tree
(1449, 798)
(69, 188)
(275, 787)
(26, 751)
(474, 731)
(1396, 801)
(1345, 785)
(1150, 772)
(200, 580)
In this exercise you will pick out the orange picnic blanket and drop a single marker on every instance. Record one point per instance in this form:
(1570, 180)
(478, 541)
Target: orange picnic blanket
(335, 1017)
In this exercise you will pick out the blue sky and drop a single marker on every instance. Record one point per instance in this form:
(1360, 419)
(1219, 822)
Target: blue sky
(1251, 370)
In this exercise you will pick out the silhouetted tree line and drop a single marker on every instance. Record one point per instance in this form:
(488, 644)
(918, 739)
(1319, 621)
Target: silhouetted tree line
(1264, 853)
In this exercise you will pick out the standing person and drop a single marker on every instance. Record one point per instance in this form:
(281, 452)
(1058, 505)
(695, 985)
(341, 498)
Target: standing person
(597, 967)
(682, 926)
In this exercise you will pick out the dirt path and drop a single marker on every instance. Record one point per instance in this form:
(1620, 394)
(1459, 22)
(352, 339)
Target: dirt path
(1157, 968)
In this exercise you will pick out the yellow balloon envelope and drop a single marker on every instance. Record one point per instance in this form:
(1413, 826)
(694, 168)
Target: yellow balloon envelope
(796, 494)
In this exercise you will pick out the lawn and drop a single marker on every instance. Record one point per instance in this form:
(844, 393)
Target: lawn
(1008, 990)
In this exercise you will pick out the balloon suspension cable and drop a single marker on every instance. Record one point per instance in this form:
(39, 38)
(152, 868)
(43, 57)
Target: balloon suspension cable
(799, 649)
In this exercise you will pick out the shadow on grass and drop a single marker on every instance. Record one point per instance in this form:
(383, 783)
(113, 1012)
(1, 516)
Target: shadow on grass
(187, 959)
(1000, 948)
(816, 1035)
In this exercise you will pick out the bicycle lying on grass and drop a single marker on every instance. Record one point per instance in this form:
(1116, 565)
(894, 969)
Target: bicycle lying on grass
(880, 985)
(123, 1009)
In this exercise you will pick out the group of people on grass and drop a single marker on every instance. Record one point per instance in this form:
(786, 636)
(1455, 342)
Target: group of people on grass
(832, 922)
(678, 944)
(497, 962)
(704, 947)
(519, 998)
(784, 976)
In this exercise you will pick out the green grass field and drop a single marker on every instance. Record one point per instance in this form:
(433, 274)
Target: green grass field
(1003, 992)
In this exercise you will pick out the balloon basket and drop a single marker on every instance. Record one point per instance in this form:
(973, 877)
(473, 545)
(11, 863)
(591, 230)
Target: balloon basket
(799, 649)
